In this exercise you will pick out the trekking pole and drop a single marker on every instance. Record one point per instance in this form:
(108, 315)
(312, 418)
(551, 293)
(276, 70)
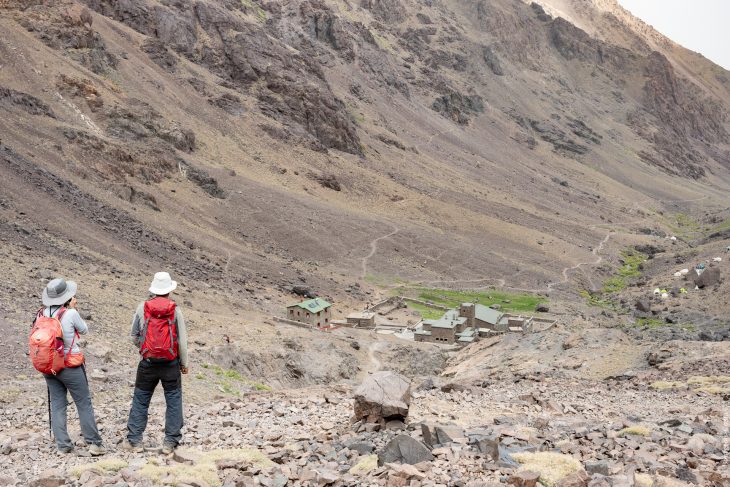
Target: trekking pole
(50, 427)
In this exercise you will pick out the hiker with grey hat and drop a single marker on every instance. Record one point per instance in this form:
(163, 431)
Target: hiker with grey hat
(59, 302)
(158, 330)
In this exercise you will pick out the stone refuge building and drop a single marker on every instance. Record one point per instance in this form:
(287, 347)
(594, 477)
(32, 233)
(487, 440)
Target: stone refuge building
(469, 322)
(314, 312)
(361, 319)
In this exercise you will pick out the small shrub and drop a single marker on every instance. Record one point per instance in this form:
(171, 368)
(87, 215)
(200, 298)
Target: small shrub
(108, 465)
(552, 467)
(637, 430)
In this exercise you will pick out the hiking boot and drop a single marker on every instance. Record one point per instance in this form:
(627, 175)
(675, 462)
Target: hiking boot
(133, 447)
(97, 450)
(65, 449)
(168, 448)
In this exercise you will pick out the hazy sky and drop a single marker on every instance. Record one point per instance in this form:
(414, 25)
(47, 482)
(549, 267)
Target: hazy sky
(699, 25)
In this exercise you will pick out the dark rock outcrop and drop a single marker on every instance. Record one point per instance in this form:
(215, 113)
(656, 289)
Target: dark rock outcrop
(458, 107)
(291, 86)
(25, 102)
(490, 57)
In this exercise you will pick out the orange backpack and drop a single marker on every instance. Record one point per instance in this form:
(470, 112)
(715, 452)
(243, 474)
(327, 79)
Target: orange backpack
(46, 343)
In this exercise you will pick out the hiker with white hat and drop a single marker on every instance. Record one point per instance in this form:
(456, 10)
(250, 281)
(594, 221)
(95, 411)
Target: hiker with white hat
(158, 330)
(67, 374)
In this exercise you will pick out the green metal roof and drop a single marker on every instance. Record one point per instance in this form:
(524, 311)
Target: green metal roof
(312, 305)
(487, 314)
(449, 320)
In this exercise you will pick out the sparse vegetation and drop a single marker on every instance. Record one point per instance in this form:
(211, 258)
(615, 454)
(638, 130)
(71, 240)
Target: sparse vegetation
(552, 467)
(662, 385)
(204, 471)
(513, 302)
(382, 42)
(250, 5)
(718, 384)
(599, 300)
(108, 465)
(637, 429)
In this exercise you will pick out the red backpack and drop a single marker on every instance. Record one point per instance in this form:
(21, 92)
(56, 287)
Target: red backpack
(160, 339)
(46, 343)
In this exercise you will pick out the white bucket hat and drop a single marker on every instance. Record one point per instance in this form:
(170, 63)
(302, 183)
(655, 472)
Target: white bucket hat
(58, 291)
(162, 284)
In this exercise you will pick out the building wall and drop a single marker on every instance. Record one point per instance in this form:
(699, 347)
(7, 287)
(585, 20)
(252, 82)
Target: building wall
(468, 312)
(443, 335)
(303, 316)
(422, 338)
(362, 322)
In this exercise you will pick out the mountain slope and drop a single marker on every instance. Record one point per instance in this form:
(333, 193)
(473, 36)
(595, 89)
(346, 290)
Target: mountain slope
(257, 145)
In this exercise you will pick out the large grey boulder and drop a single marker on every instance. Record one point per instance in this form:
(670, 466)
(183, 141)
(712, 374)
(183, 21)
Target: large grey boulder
(709, 277)
(382, 397)
(404, 449)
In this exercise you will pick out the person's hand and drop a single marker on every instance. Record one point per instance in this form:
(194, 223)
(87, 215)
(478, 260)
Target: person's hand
(73, 303)
(184, 370)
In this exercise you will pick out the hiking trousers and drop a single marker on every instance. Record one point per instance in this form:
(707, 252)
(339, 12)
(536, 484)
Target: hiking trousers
(71, 380)
(149, 374)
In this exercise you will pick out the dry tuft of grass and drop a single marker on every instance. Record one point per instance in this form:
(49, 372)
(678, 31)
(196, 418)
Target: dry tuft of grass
(717, 384)
(637, 429)
(643, 480)
(661, 385)
(108, 465)
(364, 466)
(552, 467)
(204, 470)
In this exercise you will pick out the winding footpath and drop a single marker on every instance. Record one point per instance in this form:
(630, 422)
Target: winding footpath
(374, 249)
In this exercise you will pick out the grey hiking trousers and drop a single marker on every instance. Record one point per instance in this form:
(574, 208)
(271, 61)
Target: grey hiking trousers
(71, 380)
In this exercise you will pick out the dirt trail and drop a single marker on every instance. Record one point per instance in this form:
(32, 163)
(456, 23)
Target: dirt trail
(375, 363)
(374, 249)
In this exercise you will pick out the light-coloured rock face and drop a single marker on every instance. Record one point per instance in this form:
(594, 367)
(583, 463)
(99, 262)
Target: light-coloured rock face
(382, 396)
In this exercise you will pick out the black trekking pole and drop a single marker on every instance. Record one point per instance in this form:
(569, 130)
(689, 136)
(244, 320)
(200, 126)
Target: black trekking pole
(50, 427)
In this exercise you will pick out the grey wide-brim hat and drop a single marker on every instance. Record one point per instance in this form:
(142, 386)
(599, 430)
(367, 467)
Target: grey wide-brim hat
(58, 291)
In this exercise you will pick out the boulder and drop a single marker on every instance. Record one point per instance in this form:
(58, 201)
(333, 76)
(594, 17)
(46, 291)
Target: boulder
(643, 305)
(404, 449)
(525, 478)
(710, 277)
(576, 479)
(542, 308)
(383, 396)
(49, 478)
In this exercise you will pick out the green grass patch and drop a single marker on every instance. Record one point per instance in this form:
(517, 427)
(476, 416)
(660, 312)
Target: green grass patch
(249, 5)
(511, 302)
(426, 312)
(650, 322)
(721, 227)
(228, 377)
(382, 42)
(632, 263)
(614, 284)
(599, 300)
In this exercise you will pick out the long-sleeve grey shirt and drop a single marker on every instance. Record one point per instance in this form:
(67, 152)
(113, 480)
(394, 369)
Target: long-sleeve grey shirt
(138, 332)
(71, 323)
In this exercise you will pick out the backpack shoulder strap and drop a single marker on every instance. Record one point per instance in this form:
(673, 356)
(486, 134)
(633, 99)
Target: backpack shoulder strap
(60, 313)
(38, 314)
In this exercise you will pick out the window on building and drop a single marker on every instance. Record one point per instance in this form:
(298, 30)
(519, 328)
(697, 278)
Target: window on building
(326, 320)
(319, 324)
(318, 313)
